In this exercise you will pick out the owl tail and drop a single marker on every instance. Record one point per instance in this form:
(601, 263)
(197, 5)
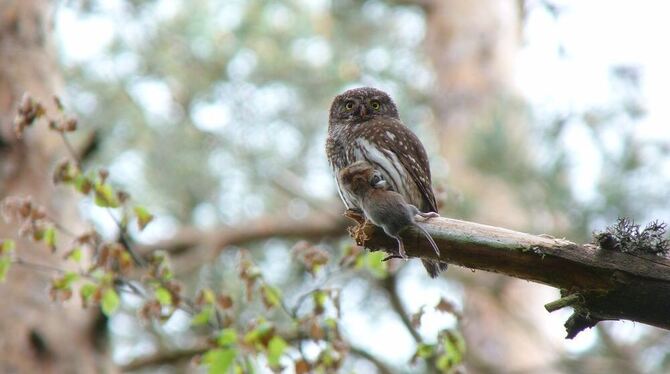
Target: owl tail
(434, 267)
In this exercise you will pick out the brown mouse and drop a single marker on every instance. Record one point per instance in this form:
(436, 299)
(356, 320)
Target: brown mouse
(381, 206)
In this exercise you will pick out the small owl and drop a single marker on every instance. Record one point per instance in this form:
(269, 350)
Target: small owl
(364, 126)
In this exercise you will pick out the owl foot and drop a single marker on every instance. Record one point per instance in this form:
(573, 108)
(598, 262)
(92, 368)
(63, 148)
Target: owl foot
(355, 215)
(426, 216)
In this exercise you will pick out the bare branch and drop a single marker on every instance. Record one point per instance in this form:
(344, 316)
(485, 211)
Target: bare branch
(611, 285)
(212, 242)
(382, 368)
(163, 358)
(390, 284)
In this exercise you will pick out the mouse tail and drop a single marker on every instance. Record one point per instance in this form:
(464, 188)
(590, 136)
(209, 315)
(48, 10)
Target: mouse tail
(433, 267)
(430, 239)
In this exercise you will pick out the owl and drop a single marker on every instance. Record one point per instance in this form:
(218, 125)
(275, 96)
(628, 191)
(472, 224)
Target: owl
(364, 126)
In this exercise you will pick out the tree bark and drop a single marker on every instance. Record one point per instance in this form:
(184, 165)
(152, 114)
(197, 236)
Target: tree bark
(37, 335)
(599, 283)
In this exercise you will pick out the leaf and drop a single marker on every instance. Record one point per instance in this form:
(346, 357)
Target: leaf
(454, 345)
(302, 367)
(271, 296)
(330, 322)
(86, 291)
(276, 348)
(163, 296)
(425, 350)
(82, 184)
(415, 319)
(227, 337)
(105, 197)
(110, 301)
(375, 265)
(219, 360)
(50, 238)
(65, 282)
(143, 216)
(75, 254)
(258, 334)
(446, 306)
(205, 297)
(7, 246)
(5, 264)
(224, 301)
(203, 317)
(319, 298)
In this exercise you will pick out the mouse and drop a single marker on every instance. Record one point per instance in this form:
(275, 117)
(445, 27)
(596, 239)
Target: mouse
(381, 205)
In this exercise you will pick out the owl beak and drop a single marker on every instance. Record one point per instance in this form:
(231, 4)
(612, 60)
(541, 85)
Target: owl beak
(362, 111)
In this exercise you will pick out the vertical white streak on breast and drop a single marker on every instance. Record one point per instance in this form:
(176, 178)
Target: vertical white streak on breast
(386, 162)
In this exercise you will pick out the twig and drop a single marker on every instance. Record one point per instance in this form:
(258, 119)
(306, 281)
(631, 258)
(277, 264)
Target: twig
(391, 286)
(562, 302)
(70, 149)
(381, 366)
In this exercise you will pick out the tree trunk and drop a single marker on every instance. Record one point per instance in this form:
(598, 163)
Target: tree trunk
(36, 334)
(473, 46)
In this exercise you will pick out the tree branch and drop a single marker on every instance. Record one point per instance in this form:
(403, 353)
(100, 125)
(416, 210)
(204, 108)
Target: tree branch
(164, 358)
(316, 226)
(176, 356)
(608, 285)
(390, 284)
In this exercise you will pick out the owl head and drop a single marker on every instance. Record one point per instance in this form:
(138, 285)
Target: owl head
(360, 105)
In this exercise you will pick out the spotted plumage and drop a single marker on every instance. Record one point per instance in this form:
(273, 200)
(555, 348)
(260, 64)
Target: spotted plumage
(364, 125)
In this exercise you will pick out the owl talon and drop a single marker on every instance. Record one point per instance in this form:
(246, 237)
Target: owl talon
(426, 216)
(355, 215)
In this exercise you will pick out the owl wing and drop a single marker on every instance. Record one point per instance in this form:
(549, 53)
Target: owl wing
(393, 147)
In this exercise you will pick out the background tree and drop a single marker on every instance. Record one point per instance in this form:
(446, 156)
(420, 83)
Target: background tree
(37, 335)
(230, 99)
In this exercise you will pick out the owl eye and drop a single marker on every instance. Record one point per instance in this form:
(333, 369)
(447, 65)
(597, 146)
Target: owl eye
(349, 105)
(375, 104)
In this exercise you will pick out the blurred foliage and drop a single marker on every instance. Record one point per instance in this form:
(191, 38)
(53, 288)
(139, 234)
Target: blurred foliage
(232, 96)
(214, 112)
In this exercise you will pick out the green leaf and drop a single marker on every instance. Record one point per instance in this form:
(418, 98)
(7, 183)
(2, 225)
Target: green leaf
(227, 337)
(425, 350)
(443, 363)
(5, 264)
(66, 281)
(258, 333)
(375, 265)
(271, 296)
(75, 254)
(87, 290)
(50, 238)
(143, 216)
(105, 197)
(208, 296)
(110, 301)
(82, 184)
(320, 298)
(454, 348)
(203, 317)
(276, 348)
(219, 360)
(330, 322)
(163, 296)
(7, 246)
